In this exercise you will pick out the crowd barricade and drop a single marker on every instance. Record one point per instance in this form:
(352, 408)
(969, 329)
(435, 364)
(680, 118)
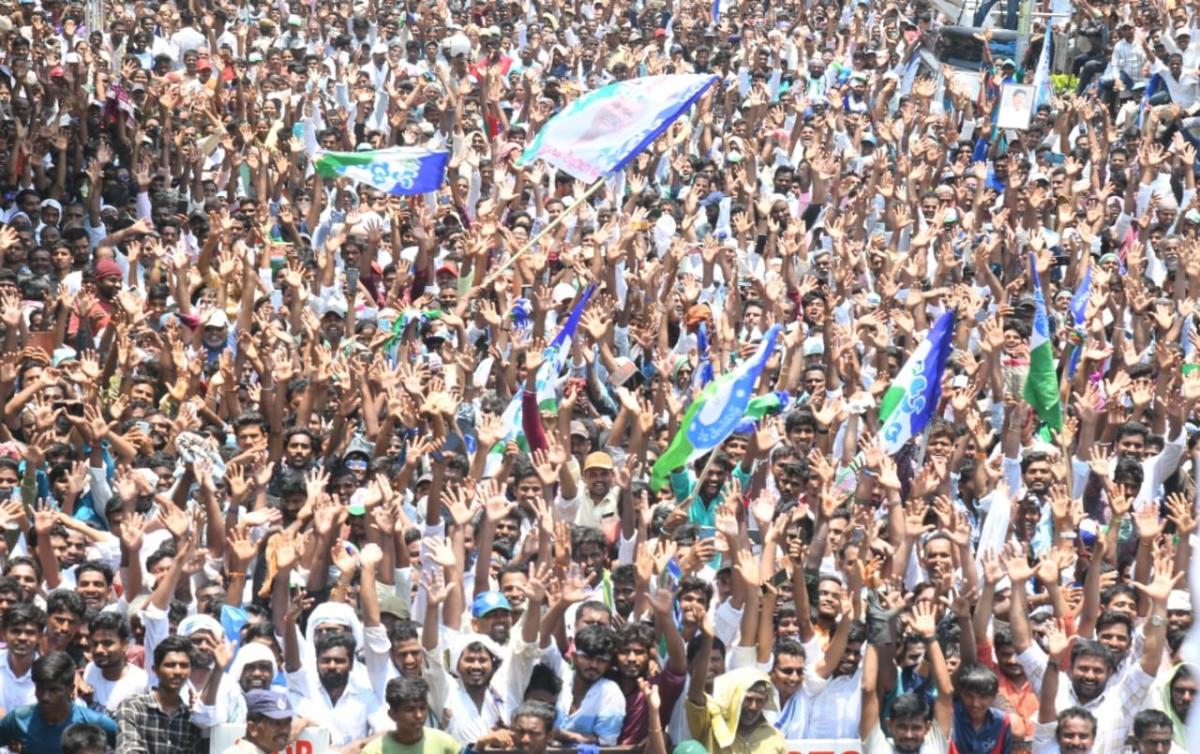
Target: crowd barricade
(824, 746)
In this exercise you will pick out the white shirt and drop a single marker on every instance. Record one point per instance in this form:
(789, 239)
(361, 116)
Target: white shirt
(346, 721)
(836, 705)
(15, 691)
(133, 681)
(935, 741)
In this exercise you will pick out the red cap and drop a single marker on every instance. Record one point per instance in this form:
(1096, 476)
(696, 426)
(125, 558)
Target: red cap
(660, 33)
(57, 72)
(204, 64)
(107, 268)
(448, 267)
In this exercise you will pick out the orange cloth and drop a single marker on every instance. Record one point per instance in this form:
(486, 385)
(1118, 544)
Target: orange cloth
(1020, 699)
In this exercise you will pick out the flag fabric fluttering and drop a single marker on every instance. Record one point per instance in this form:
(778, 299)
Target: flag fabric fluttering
(1041, 383)
(398, 171)
(912, 398)
(761, 407)
(704, 370)
(1152, 86)
(599, 133)
(555, 356)
(715, 413)
(1079, 302)
(1043, 87)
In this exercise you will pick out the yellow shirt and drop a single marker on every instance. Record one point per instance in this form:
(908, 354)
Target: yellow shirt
(763, 738)
(433, 742)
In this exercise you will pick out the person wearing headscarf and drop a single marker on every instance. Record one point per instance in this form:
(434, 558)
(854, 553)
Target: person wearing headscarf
(1174, 697)
(340, 617)
(731, 721)
(253, 668)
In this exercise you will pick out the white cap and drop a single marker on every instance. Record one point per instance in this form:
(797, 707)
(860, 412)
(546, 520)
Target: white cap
(459, 44)
(1179, 599)
(563, 292)
(216, 318)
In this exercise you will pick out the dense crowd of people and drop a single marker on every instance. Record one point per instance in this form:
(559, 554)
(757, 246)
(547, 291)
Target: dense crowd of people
(259, 477)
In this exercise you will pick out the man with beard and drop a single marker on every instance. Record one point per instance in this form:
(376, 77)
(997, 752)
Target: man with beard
(205, 634)
(268, 723)
(591, 707)
(226, 695)
(112, 678)
(1091, 681)
(908, 719)
(37, 728)
(732, 719)
(834, 685)
(491, 615)
(1175, 698)
(476, 697)
(339, 703)
(160, 721)
(499, 525)
(106, 281)
(93, 582)
(634, 644)
(704, 494)
(596, 505)
(408, 709)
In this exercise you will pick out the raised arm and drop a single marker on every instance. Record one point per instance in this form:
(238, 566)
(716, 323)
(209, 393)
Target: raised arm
(699, 671)
(924, 624)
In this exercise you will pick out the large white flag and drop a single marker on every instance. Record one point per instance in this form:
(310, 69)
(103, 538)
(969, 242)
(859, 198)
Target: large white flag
(603, 130)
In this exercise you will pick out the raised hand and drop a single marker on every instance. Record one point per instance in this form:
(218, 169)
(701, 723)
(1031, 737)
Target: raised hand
(1057, 643)
(924, 620)
(370, 556)
(440, 551)
(1017, 565)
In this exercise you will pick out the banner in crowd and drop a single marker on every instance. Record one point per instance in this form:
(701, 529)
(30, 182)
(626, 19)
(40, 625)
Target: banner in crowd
(399, 171)
(603, 130)
(823, 746)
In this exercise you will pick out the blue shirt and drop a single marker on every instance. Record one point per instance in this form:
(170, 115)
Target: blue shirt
(26, 726)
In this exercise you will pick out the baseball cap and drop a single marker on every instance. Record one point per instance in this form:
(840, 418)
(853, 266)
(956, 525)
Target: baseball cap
(217, 318)
(489, 602)
(578, 429)
(270, 703)
(394, 605)
(598, 460)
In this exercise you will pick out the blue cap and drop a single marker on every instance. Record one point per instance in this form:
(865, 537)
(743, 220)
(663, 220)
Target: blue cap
(270, 703)
(489, 601)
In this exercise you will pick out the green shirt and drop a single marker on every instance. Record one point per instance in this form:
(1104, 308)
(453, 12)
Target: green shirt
(432, 742)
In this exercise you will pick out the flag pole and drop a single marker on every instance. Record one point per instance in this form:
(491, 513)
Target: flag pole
(544, 231)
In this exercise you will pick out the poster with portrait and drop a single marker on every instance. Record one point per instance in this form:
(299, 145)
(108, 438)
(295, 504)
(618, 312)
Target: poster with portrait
(1016, 106)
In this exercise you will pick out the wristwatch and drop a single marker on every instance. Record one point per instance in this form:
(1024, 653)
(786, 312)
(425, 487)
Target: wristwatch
(1157, 620)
